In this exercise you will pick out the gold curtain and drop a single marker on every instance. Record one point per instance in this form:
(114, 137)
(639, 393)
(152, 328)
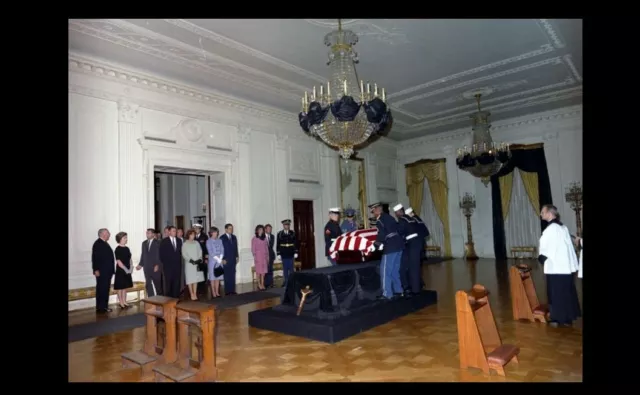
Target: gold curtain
(530, 181)
(506, 186)
(435, 172)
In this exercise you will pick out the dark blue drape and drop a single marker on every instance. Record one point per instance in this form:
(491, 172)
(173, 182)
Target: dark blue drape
(529, 160)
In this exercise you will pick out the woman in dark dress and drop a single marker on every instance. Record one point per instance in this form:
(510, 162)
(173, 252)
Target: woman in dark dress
(122, 281)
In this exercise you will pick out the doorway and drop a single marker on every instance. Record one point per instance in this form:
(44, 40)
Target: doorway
(304, 228)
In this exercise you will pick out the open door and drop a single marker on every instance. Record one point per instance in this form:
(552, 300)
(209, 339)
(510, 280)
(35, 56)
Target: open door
(303, 226)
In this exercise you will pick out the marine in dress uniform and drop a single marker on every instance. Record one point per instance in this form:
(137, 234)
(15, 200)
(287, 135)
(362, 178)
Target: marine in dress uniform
(423, 233)
(391, 243)
(331, 232)
(558, 255)
(271, 241)
(349, 224)
(287, 249)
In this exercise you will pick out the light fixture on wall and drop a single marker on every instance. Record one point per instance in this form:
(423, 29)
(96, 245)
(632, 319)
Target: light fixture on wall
(349, 112)
(483, 158)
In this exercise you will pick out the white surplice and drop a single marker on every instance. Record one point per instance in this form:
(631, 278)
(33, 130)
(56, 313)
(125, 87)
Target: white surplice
(556, 245)
(580, 261)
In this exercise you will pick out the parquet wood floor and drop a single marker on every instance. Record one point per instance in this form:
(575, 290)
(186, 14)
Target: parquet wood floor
(420, 347)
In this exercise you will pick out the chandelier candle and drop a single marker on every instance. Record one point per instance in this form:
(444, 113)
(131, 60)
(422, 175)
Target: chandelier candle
(340, 120)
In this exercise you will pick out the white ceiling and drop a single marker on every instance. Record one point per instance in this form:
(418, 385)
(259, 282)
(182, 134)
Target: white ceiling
(426, 65)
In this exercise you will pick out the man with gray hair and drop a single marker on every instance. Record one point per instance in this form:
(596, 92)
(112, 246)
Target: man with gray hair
(103, 263)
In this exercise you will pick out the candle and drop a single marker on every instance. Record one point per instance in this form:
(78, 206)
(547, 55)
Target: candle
(345, 87)
(384, 96)
(375, 89)
(361, 87)
(302, 104)
(368, 88)
(329, 90)
(321, 92)
(314, 93)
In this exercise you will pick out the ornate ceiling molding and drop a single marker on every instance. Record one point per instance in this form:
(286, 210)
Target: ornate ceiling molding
(101, 69)
(507, 125)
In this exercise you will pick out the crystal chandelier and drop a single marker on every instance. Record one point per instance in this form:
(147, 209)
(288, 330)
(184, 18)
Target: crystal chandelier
(349, 112)
(484, 158)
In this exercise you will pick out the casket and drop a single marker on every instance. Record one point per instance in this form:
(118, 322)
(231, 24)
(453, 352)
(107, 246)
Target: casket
(352, 247)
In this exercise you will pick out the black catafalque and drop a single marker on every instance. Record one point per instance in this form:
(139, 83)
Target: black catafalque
(348, 112)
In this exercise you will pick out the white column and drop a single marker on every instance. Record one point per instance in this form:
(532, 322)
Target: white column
(131, 180)
(330, 178)
(244, 228)
(281, 182)
(371, 172)
(457, 231)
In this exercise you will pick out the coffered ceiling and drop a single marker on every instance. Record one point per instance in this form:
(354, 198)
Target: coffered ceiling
(428, 66)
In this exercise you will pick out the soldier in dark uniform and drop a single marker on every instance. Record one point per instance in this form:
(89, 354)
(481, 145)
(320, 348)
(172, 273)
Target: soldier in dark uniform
(331, 232)
(423, 232)
(202, 238)
(410, 267)
(271, 242)
(391, 243)
(287, 249)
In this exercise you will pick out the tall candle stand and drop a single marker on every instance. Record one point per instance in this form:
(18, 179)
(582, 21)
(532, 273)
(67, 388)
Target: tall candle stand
(468, 204)
(573, 196)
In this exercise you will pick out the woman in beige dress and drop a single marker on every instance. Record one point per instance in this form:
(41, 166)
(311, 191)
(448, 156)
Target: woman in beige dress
(192, 255)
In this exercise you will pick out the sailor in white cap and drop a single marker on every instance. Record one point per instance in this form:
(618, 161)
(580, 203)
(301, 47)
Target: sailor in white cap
(331, 232)
(410, 263)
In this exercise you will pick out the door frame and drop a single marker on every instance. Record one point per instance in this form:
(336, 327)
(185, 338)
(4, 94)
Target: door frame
(313, 229)
(313, 192)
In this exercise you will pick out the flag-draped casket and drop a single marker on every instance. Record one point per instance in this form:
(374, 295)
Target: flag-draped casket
(352, 247)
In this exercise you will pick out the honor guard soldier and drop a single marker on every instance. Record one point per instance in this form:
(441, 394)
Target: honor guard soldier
(287, 248)
(389, 241)
(331, 232)
(423, 232)
(410, 274)
(349, 224)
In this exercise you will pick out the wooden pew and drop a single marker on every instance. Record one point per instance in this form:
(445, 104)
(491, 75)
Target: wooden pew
(524, 300)
(160, 343)
(196, 355)
(478, 334)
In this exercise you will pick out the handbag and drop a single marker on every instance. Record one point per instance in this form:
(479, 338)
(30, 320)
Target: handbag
(198, 264)
(218, 271)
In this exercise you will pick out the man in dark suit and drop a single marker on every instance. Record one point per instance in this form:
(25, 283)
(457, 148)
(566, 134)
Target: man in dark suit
(230, 259)
(150, 261)
(103, 263)
(268, 278)
(171, 260)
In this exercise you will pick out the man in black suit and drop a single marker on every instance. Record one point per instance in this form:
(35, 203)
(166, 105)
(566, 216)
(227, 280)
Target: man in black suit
(171, 260)
(268, 278)
(150, 261)
(103, 263)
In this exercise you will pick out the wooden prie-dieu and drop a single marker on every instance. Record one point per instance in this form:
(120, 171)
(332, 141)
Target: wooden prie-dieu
(160, 343)
(524, 300)
(196, 342)
(478, 338)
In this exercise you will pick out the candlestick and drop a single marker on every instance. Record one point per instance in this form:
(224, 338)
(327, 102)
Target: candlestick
(302, 99)
(368, 88)
(321, 92)
(361, 87)
(384, 97)
(306, 97)
(375, 89)
(345, 87)
(329, 90)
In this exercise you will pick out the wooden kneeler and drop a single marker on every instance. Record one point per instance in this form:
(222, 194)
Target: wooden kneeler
(524, 300)
(196, 343)
(477, 333)
(160, 343)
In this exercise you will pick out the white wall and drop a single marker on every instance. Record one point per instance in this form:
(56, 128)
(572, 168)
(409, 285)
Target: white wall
(123, 123)
(559, 130)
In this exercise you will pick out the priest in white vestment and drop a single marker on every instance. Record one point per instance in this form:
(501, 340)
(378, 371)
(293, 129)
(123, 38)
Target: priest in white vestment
(558, 256)
(580, 260)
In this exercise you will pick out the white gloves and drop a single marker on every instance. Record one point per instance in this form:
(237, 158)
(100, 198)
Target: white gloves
(371, 248)
(278, 258)
(218, 259)
(295, 256)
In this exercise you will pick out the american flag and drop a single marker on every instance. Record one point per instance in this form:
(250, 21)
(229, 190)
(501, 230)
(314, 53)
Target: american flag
(358, 240)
